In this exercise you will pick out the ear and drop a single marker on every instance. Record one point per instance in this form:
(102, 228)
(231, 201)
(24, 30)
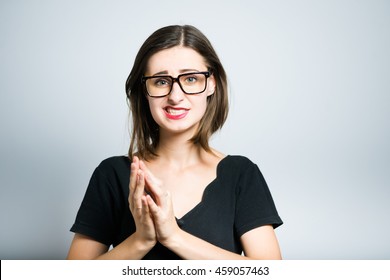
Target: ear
(211, 85)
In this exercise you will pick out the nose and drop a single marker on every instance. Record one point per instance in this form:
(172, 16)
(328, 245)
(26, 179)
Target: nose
(176, 95)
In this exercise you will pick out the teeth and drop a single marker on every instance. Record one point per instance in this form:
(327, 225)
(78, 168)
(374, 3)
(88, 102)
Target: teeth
(175, 112)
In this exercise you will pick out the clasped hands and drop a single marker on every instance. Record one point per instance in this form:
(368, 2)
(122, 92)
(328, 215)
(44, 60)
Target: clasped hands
(151, 206)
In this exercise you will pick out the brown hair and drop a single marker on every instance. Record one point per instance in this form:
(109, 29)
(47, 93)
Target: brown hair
(145, 131)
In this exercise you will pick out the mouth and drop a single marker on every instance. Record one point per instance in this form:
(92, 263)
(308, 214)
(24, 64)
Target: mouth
(175, 113)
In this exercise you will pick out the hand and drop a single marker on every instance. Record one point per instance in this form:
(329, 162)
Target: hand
(161, 208)
(139, 206)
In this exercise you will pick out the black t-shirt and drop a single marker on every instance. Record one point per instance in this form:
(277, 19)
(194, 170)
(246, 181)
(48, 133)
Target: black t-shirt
(237, 201)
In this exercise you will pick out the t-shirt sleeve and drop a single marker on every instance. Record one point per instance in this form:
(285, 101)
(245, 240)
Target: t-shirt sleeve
(98, 210)
(255, 206)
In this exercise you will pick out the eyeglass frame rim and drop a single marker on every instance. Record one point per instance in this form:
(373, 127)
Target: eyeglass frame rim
(145, 78)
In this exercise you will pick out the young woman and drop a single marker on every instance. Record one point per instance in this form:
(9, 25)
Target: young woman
(173, 196)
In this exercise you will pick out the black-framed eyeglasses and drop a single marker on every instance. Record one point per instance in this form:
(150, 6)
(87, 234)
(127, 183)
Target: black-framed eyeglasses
(190, 83)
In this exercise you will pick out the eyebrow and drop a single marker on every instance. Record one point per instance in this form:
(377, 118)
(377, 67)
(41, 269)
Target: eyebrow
(165, 72)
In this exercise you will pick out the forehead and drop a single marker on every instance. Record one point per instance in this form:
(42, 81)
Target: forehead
(175, 59)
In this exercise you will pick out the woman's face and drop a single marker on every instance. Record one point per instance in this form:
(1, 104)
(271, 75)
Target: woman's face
(178, 112)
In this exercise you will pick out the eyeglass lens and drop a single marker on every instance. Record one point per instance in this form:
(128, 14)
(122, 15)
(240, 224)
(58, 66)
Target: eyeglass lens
(191, 83)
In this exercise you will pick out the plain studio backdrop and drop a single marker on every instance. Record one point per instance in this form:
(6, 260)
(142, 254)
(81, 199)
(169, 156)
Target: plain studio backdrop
(309, 94)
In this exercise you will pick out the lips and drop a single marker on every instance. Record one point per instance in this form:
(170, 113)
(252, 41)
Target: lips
(175, 113)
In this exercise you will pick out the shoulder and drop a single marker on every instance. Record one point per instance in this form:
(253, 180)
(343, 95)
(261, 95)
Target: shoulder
(236, 167)
(111, 175)
(237, 162)
(114, 163)
(114, 168)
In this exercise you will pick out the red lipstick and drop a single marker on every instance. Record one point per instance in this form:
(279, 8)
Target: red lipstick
(175, 113)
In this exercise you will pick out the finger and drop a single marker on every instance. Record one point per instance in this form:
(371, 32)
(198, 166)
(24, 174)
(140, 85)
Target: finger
(152, 184)
(156, 192)
(147, 171)
(134, 167)
(132, 184)
(145, 208)
(154, 209)
(139, 189)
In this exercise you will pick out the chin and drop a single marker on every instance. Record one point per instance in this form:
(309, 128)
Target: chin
(178, 129)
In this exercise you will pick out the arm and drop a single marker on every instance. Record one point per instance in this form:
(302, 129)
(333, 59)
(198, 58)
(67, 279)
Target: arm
(86, 248)
(136, 245)
(259, 243)
(254, 243)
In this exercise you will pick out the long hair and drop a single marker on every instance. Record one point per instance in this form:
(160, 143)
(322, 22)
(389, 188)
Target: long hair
(145, 131)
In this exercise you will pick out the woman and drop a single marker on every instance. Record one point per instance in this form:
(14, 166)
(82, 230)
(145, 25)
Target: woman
(177, 198)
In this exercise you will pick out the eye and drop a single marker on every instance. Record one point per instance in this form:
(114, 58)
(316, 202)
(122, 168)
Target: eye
(191, 79)
(161, 82)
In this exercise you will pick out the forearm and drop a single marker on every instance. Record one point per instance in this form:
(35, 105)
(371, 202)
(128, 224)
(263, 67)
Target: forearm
(190, 247)
(131, 248)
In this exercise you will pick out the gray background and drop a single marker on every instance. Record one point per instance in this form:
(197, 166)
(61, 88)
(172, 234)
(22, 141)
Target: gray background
(310, 85)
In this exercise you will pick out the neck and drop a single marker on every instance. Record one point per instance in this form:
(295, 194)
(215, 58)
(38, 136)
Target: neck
(177, 151)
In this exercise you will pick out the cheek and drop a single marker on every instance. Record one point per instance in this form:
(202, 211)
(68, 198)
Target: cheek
(153, 106)
(202, 106)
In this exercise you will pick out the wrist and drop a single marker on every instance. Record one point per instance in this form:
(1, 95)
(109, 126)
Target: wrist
(144, 243)
(174, 240)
